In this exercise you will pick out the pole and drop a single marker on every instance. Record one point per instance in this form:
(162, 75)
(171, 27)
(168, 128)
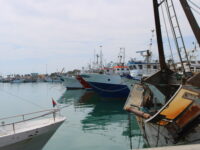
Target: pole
(193, 23)
(163, 65)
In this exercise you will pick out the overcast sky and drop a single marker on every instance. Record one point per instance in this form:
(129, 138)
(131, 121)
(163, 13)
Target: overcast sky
(52, 34)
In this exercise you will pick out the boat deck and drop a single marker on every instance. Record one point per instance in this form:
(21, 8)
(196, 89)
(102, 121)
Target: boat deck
(27, 125)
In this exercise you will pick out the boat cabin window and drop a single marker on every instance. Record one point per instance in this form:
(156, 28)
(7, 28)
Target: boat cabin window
(192, 62)
(117, 69)
(197, 69)
(198, 62)
(122, 69)
(140, 66)
(132, 67)
(155, 67)
(148, 66)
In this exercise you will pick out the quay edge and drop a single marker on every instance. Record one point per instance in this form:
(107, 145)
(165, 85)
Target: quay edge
(179, 147)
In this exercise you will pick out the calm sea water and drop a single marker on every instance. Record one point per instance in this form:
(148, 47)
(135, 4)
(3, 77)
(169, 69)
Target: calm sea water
(92, 123)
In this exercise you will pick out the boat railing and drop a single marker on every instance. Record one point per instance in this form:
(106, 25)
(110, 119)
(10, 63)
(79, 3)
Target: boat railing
(9, 125)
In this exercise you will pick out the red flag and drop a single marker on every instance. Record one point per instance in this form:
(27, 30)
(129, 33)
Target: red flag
(53, 102)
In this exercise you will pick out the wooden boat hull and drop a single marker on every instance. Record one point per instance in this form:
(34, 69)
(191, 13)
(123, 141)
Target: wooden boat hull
(156, 135)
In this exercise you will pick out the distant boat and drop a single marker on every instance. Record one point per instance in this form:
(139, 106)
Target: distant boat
(145, 68)
(18, 81)
(72, 83)
(29, 131)
(52, 79)
(140, 69)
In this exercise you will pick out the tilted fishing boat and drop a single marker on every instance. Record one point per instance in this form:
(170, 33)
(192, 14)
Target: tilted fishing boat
(29, 131)
(167, 108)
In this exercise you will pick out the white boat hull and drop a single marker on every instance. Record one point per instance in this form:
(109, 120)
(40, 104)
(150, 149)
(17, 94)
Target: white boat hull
(72, 83)
(33, 138)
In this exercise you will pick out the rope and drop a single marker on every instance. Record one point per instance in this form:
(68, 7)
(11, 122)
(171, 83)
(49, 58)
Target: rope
(158, 136)
(194, 4)
(130, 130)
(22, 99)
(166, 30)
(195, 10)
(161, 133)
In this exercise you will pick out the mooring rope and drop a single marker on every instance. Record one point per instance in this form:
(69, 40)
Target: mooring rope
(21, 98)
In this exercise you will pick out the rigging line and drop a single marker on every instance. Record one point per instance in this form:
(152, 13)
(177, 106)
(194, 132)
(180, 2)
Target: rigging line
(20, 98)
(162, 134)
(195, 10)
(166, 30)
(158, 136)
(130, 130)
(139, 139)
(194, 4)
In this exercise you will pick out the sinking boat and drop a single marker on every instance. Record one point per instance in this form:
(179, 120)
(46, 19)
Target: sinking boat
(29, 131)
(166, 107)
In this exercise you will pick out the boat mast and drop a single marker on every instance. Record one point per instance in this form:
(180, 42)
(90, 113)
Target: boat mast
(163, 65)
(193, 23)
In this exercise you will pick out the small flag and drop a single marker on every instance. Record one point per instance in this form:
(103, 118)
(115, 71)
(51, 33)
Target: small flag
(53, 102)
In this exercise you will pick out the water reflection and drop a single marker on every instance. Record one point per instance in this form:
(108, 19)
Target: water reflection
(104, 117)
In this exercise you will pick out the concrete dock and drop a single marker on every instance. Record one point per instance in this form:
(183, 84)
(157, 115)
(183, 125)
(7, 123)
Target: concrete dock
(180, 147)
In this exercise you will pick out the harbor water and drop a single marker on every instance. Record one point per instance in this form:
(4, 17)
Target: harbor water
(92, 122)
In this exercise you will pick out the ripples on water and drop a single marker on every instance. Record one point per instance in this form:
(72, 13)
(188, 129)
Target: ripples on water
(92, 123)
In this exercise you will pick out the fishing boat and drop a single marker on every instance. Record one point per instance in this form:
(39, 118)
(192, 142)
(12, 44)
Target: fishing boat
(29, 131)
(85, 84)
(108, 85)
(18, 81)
(144, 68)
(72, 83)
(167, 108)
(108, 82)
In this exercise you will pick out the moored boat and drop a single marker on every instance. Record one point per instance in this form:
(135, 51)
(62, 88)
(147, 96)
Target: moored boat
(85, 84)
(108, 85)
(29, 131)
(71, 83)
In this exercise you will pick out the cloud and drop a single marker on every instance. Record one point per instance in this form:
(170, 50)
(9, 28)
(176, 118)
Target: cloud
(64, 33)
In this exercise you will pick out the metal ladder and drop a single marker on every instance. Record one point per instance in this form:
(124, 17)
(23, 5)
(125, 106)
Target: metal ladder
(177, 35)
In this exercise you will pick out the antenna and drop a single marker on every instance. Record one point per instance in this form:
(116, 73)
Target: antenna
(101, 57)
